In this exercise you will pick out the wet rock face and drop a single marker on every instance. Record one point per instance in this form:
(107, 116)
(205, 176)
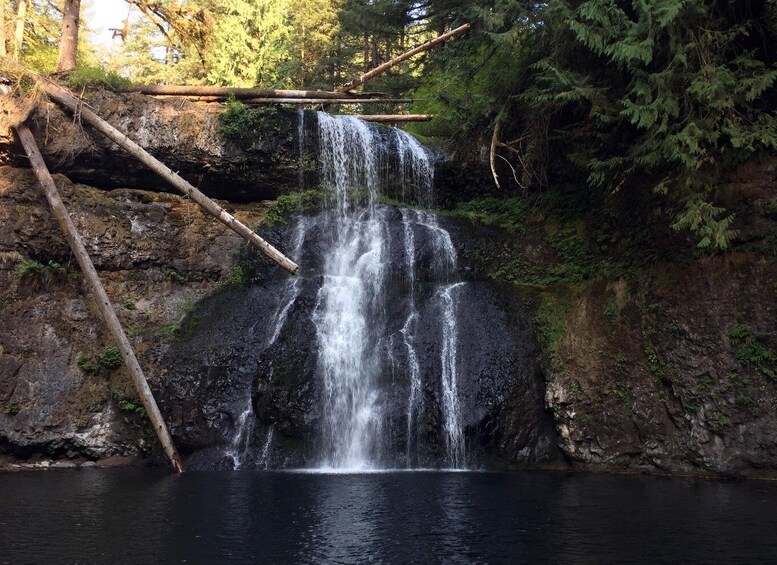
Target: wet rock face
(670, 383)
(183, 135)
(156, 256)
(259, 344)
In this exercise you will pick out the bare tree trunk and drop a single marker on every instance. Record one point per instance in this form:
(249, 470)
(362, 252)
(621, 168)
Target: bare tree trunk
(67, 99)
(68, 41)
(404, 57)
(21, 16)
(60, 213)
(3, 52)
(176, 90)
(295, 101)
(390, 118)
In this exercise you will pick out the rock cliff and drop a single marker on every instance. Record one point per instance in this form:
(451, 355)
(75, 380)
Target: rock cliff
(669, 367)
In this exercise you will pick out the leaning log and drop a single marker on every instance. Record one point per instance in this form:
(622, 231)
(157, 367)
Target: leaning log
(60, 213)
(182, 90)
(346, 88)
(390, 118)
(72, 103)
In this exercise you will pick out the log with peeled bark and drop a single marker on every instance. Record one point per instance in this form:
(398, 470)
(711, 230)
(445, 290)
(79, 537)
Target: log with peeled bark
(391, 118)
(178, 90)
(72, 103)
(294, 101)
(379, 70)
(60, 213)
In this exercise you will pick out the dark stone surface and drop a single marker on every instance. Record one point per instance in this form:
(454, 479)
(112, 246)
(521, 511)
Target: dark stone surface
(208, 378)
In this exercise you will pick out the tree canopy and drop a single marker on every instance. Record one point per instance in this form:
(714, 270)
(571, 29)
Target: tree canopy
(658, 96)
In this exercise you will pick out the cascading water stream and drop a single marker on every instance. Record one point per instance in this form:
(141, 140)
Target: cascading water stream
(451, 407)
(356, 303)
(246, 421)
(349, 300)
(350, 311)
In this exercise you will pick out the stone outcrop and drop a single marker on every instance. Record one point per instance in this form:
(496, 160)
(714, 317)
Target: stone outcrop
(670, 369)
(157, 255)
(258, 165)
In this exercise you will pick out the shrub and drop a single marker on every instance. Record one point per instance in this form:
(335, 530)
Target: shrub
(753, 351)
(110, 358)
(611, 310)
(88, 76)
(240, 123)
(87, 365)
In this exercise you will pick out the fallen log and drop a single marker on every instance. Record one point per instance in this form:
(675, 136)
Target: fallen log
(379, 70)
(295, 101)
(389, 118)
(72, 103)
(224, 91)
(60, 213)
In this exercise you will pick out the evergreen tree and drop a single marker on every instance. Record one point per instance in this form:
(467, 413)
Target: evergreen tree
(660, 94)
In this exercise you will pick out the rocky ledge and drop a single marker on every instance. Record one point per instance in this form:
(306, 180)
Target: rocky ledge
(63, 394)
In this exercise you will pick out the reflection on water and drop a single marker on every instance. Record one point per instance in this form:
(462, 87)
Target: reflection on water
(140, 516)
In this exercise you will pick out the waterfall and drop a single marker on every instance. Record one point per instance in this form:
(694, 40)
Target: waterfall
(414, 401)
(451, 408)
(246, 421)
(350, 313)
(301, 147)
(242, 439)
(348, 305)
(416, 168)
(264, 458)
(367, 303)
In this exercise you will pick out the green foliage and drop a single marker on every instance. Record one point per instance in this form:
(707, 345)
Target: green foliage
(237, 278)
(743, 399)
(177, 277)
(129, 305)
(288, 204)
(128, 404)
(611, 309)
(506, 213)
(550, 325)
(625, 394)
(32, 270)
(657, 96)
(752, 350)
(11, 409)
(110, 358)
(182, 331)
(710, 223)
(87, 365)
(569, 262)
(88, 76)
(241, 123)
(5, 298)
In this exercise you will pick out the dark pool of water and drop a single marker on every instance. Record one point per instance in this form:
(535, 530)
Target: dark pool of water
(142, 516)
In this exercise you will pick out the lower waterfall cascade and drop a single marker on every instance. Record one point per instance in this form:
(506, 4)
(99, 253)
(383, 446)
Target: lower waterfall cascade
(384, 353)
(351, 328)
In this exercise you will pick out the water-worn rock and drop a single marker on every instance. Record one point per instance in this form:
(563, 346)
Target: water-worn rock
(156, 255)
(260, 344)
